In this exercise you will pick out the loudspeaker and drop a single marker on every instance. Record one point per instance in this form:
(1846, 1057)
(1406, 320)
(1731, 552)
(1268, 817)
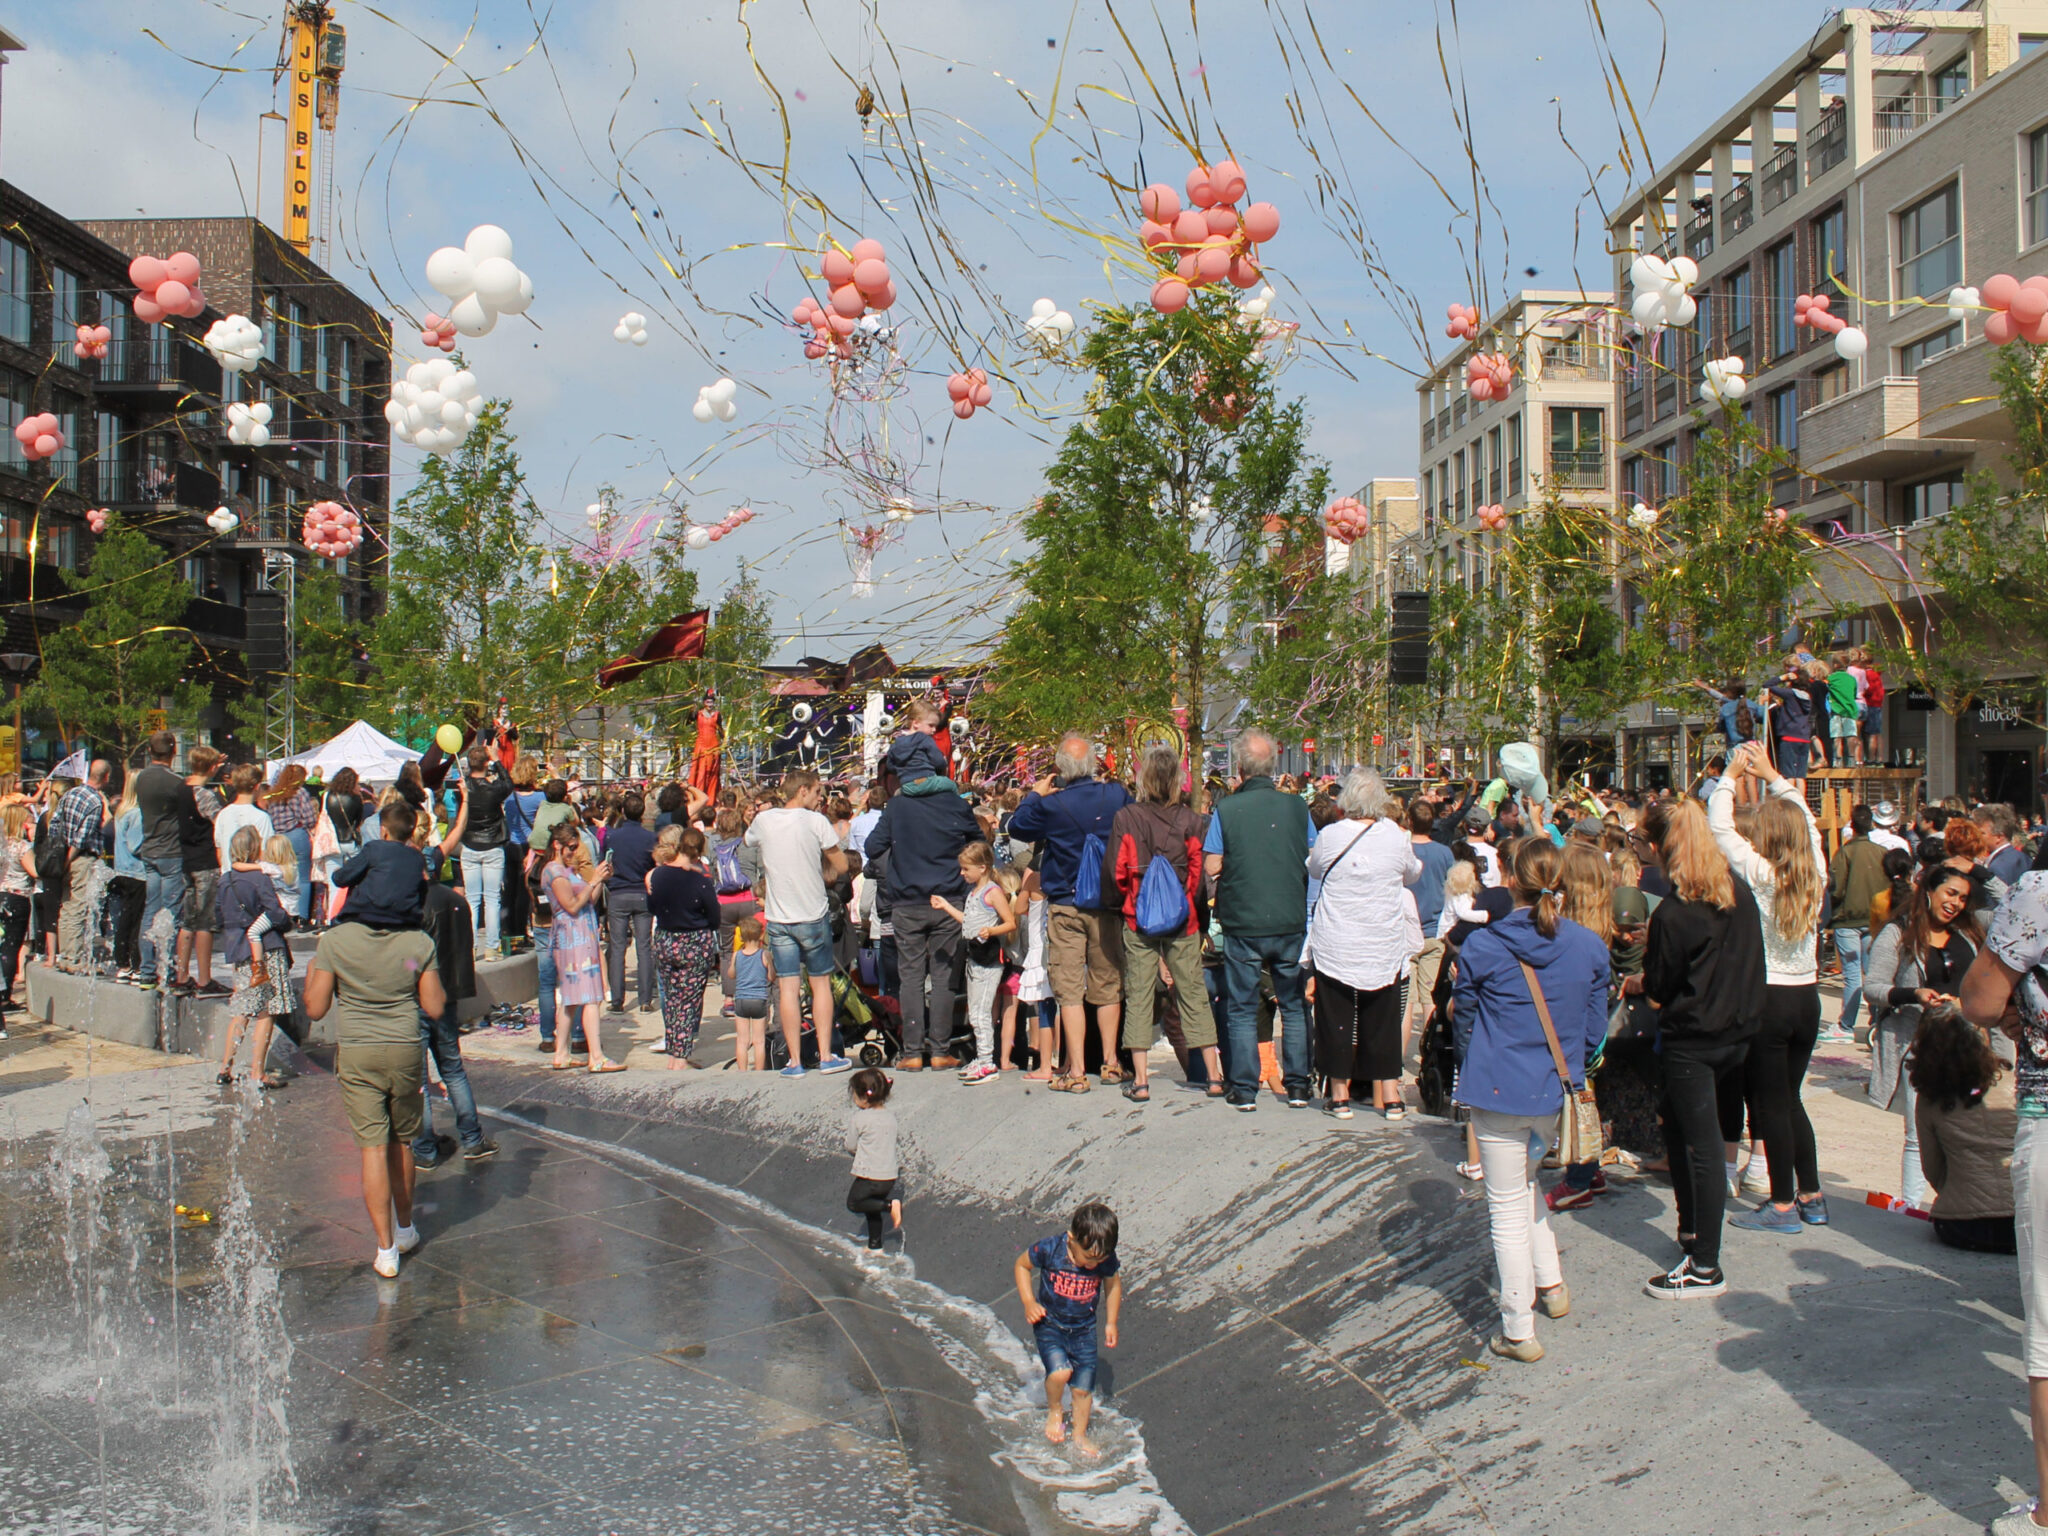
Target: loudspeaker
(266, 637)
(1408, 641)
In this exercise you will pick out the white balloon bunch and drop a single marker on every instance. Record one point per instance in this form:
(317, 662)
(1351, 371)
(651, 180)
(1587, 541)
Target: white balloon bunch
(1851, 343)
(1724, 383)
(1641, 516)
(1663, 291)
(482, 280)
(236, 343)
(632, 327)
(434, 406)
(220, 520)
(716, 400)
(1962, 300)
(249, 424)
(899, 509)
(1254, 306)
(1049, 321)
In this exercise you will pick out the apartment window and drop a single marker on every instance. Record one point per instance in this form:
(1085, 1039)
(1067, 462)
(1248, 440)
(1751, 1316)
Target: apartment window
(15, 277)
(1515, 454)
(1702, 327)
(1915, 353)
(65, 464)
(1577, 457)
(1952, 84)
(112, 457)
(14, 409)
(1740, 292)
(1495, 475)
(297, 340)
(1831, 383)
(65, 314)
(2029, 41)
(1784, 404)
(2037, 185)
(1782, 266)
(1479, 496)
(344, 367)
(273, 312)
(1930, 498)
(1458, 482)
(1930, 247)
(1831, 252)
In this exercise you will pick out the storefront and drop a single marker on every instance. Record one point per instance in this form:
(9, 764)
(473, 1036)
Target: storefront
(1998, 746)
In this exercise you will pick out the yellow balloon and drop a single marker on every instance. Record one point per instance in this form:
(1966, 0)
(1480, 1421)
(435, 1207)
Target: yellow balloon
(448, 739)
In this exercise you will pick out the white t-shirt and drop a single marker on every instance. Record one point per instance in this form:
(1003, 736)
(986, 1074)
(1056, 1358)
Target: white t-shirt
(232, 820)
(791, 842)
(1885, 837)
(1489, 863)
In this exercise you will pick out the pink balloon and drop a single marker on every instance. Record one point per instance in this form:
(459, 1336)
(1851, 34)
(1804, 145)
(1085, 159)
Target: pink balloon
(2037, 333)
(801, 315)
(871, 275)
(1482, 388)
(147, 309)
(195, 305)
(2028, 306)
(1200, 192)
(1244, 272)
(145, 272)
(1261, 222)
(430, 337)
(2036, 281)
(982, 394)
(838, 268)
(963, 408)
(869, 250)
(1160, 202)
(48, 444)
(1169, 296)
(1190, 228)
(182, 267)
(848, 302)
(814, 350)
(1222, 220)
(885, 297)
(1152, 235)
(840, 325)
(1227, 177)
(1185, 267)
(1998, 291)
(1213, 262)
(959, 386)
(717, 534)
(25, 432)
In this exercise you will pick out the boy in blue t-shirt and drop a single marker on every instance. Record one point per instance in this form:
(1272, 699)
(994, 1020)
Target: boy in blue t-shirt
(1062, 1281)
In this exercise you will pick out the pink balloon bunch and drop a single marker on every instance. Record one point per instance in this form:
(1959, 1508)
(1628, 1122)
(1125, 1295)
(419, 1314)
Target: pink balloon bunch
(437, 331)
(1811, 310)
(1464, 321)
(333, 531)
(92, 341)
(1494, 519)
(860, 281)
(1209, 240)
(1780, 516)
(96, 519)
(2019, 309)
(1344, 519)
(732, 522)
(169, 287)
(1489, 376)
(39, 436)
(968, 391)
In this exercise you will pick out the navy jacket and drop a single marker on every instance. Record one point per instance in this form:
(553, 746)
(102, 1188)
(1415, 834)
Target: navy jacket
(1061, 822)
(1504, 1061)
(923, 836)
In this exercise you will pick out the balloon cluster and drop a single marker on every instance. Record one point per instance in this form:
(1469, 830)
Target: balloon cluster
(859, 281)
(899, 509)
(221, 520)
(716, 401)
(236, 343)
(1213, 240)
(1255, 306)
(632, 327)
(1811, 310)
(968, 391)
(1344, 519)
(169, 287)
(2020, 310)
(434, 405)
(437, 331)
(703, 537)
(249, 424)
(1961, 300)
(1462, 321)
(1489, 375)
(40, 436)
(1724, 383)
(1049, 322)
(92, 341)
(1494, 519)
(482, 279)
(1663, 291)
(333, 532)
(96, 519)
(1643, 517)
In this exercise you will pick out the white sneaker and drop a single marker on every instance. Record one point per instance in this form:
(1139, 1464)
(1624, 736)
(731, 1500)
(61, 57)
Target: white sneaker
(386, 1263)
(1756, 1178)
(980, 1072)
(660, 1047)
(406, 1239)
(2018, 1521)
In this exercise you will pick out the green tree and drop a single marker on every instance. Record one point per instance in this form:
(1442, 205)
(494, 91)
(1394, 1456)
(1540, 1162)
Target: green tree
(126, 654)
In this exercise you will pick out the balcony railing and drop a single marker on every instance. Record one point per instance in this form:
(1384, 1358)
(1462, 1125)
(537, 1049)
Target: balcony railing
(1699, 234)
(1578, 469)
(1900, 120)
(1575, 360)
(156, 360)
(1429, 432)
(1515, 476)
(1827, 142)
(1780, 176)
(157, 483)
(1738, 207)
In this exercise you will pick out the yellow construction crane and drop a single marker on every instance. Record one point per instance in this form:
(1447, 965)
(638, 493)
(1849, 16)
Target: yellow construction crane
(314, 50)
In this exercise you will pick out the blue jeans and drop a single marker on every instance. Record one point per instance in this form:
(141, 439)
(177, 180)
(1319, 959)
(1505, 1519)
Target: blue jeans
(796, 947)
(1852, 945)
(544, 958)
(1243, 955)
(483, 872)
(163, 884)
(302, 850)
(1067, 1347)
(441, 1044)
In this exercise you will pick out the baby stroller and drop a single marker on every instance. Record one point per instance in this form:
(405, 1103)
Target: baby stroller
(863, 1029)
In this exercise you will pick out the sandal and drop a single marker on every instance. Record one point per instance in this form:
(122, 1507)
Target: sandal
(1214, 1091)
(1138, 1093)
(1069, 1085)
(225, 1079)
(269, 1081)
(559, 1065)
(610, 1066)
(1471, 1171)
(1111, 1076)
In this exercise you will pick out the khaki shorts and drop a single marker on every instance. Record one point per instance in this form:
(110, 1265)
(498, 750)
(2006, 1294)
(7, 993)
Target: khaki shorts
(1085, 956)
(380, 1090)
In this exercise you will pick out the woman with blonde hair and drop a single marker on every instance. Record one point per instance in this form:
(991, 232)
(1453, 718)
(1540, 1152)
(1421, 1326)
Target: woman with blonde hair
(1704, 969)
(1779, 856)
(1587, 883)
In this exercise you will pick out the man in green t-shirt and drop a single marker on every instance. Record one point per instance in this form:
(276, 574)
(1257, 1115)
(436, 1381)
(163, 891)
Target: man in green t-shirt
(378, 981)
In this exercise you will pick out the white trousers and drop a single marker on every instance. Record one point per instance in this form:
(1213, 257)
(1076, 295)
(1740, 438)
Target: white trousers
(1511, 1149)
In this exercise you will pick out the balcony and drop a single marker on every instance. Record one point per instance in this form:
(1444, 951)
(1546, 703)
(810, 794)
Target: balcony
(215, 620)
(1699, 234)
(155, 363)
(1780, 176)
(1429, 432)
(1827, 143)
(1579, 469)
(1899, 120)
(1881, 569)
(154, 485)
(1738, 207)
(1872, 434)
(1958, 397)
(1574, 360)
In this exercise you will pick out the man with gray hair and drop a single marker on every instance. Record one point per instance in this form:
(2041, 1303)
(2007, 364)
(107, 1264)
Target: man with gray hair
(1257, 852)
(1084, 927)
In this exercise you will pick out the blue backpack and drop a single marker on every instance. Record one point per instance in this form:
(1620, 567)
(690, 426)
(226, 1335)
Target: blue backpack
(1088, 878)
(1162, 905)
(732, 879)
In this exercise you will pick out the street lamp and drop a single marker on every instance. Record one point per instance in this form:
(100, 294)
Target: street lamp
(17, 664)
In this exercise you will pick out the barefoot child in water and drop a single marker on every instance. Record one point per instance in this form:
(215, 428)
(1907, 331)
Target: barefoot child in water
(1074, 1270)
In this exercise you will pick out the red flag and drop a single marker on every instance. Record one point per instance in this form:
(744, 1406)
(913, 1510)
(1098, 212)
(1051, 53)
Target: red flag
(680, 639)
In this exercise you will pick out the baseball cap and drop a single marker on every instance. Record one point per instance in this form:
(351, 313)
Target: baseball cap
(1477, 817)
(1885, 814)
(1588, 826)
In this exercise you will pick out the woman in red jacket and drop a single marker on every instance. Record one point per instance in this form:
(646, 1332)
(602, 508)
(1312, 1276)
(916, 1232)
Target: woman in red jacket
(1163, 930)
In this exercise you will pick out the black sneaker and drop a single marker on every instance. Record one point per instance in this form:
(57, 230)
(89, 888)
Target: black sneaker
(425, 1163)
(1243, 1105)
(483, 1149)
(1297, 1098)
(215, 989)
(1685, 1283)
(182, 989)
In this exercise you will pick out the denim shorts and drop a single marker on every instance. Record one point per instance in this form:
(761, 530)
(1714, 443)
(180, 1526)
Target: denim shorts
(802, 947)
(1068, 1349)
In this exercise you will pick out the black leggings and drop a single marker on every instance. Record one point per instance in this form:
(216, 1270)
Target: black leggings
(1979, 1234)
(13, 934)
(1771, 1080)
(870, 1198)
(1697, 1073)
(130, 897)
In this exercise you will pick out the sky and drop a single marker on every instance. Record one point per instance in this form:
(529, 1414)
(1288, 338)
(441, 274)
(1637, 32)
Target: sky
(637, 154)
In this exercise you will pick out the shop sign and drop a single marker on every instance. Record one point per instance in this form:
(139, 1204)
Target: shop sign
(1918, 697)
(2015, 711)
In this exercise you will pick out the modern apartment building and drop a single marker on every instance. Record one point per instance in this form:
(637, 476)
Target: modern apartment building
(1386, 558)
(1896, 155)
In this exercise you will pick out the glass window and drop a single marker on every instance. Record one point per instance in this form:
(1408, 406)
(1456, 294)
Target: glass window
(1930, 247)
(344, 367)
(2029, 41)
(65, 464)
(296, 341)
(1952, 84)
(65, 314)
(1785, 418)
(112, 457)
(1739, 292)
(1914, 353)
(14, 401)
(2037, 185)
(1702, 327)
(16, 274)
(273, 315)
(1830, 251)
(1931, 498)
(1782, 267)
(1515, 454)
(1577, 455)
(319, 356)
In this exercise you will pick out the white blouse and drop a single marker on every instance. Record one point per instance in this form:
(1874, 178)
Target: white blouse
(1787, 962)
(1365, 931)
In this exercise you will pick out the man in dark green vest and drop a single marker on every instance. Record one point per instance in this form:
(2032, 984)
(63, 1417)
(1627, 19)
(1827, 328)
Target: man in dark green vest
(1258, 855)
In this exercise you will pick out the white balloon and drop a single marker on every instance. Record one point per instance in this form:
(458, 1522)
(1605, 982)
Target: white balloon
(698, 538)
(1685, 269)
(430, 401)
(1684, 311)
(702, 409)
(453, 414)
(459, 386)
(487, 240)
(259, 436)
(726, 410)
(1851, 343)
(1648, 308)
(260, 411)
(1641, 274)
(517, 304)
(497, 281)
(639, 338)
(1043, 309)
(724, 390)
(451, 271)
(620, 333)
(472, 316)
(393, 412)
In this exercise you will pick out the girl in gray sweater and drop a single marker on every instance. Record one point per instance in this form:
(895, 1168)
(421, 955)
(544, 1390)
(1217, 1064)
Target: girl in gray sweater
(871, 1138)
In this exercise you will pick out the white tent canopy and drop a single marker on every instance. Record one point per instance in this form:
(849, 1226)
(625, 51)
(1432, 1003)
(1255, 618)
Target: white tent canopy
(373, 755)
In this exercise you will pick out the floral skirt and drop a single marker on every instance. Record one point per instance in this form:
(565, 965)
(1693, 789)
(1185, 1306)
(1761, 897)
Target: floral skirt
(273, 997)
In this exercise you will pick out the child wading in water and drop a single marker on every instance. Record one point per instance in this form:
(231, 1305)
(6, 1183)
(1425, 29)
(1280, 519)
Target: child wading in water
(871, 1138)
(750, 978)
(985, 920)
(1073, 1269)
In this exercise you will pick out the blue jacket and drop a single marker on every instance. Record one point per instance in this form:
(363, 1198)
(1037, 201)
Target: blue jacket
(1504, 1062)
(1061, 822)
(923, 836)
